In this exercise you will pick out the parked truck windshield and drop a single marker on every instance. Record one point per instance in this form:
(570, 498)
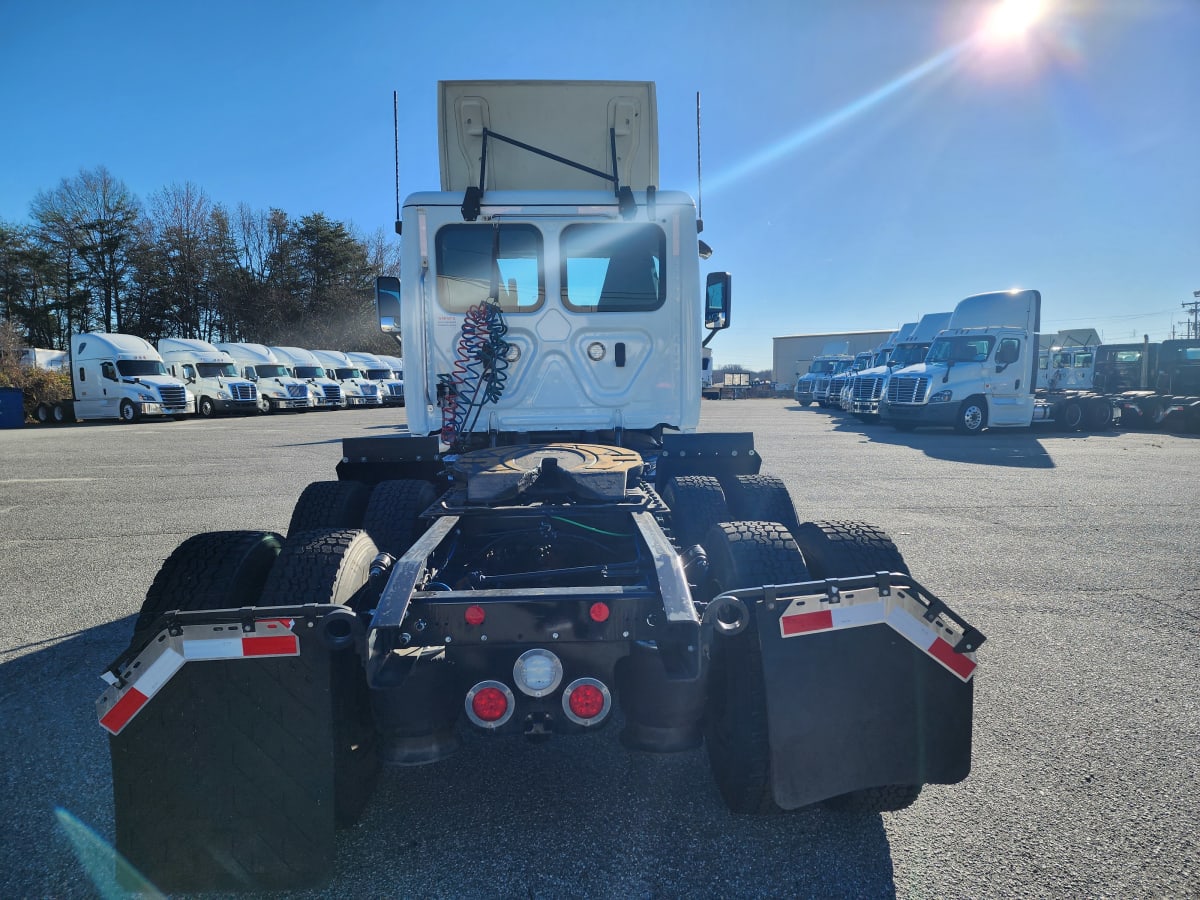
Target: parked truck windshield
(271, 371)
(906, 355)
(961, 348)
(216, 370)
(309, 372)
(346, 374)
(134, 368)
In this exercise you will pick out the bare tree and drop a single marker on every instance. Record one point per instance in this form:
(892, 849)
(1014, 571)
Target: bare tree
(92, 217)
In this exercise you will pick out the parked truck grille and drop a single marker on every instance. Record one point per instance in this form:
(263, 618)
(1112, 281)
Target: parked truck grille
(243, 391)
(333, 393)
(297, 390)
(370, 390)
(174, 396)
(396, 390)
(821, 386)
(866, 387)
(907, 389)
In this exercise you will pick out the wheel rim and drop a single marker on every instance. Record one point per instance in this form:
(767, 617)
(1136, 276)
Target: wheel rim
(972, 418)
(206, 407)
(1073, 415)
(127, 411)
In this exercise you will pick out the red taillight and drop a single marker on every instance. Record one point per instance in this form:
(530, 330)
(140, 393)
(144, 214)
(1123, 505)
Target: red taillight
(490, 704)
(474, 615)
(599, 612)
(587, 701)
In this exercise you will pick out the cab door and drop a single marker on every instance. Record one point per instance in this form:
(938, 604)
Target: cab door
(1010, 377)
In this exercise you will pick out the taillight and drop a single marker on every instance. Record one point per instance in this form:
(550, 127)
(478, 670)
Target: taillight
(599, 612)
(586, 701)
(474, 614)
(490, 704)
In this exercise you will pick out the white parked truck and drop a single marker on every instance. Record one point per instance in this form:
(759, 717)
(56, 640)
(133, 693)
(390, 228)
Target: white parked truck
(357, 388)
(304, 366)
(553, 540)
(118, 376)
(910, 348)
(391, 390)
(814, 384)
(982, 372)
(211, 375)
(277, 388)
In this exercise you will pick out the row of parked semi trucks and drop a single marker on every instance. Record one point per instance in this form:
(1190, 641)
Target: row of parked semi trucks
(124, 377)
(986, 365)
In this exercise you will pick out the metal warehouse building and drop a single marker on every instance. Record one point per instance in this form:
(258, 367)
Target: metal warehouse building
(793, 353)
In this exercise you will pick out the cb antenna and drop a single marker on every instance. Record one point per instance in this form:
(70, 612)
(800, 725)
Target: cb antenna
(699, 182)
(396, 142)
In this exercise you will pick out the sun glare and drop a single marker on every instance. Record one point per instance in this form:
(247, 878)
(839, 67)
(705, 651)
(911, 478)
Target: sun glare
(1012, 19)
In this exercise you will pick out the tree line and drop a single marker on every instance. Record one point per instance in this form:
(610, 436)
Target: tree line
(94, 257)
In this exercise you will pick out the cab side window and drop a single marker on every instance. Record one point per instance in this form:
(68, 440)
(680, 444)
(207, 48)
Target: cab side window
(109, 371)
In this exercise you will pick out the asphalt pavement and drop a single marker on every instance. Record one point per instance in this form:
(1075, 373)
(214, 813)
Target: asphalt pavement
(1074, 553)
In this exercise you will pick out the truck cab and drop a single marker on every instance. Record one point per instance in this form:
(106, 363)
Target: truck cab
(911, 346)
(304, 366)
(357, 388)
(121, 376)
(211, 375)
(374, 367)
(277, 389)
(980, 371)
(829, 361)
(836, 394)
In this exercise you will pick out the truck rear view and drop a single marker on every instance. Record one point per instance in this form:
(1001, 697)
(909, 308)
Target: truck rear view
(554, 547)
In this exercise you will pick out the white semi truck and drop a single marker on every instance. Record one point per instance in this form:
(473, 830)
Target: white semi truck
(118, 376)
(357, 389)
(211, 375)
(982, 372)
(910, 348)
(553, 540)
(277, 389)
(814, 384)
(391, 389)
(305, 366)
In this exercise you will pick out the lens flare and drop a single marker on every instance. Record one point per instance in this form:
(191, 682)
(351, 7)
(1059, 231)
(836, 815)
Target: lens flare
(1012, 19)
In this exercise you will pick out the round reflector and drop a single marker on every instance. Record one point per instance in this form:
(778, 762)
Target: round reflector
(474, 615)
(586, 701)
(599, 612)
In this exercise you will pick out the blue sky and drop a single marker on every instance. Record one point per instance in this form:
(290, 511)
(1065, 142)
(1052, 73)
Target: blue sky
(865, 161)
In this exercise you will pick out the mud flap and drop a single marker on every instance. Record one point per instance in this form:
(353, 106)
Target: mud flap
(224, 776)
(864, 689)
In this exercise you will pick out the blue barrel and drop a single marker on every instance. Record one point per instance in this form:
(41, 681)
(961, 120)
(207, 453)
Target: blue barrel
(12, 408)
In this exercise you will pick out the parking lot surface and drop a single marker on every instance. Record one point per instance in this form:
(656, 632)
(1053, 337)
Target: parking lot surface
(1074, 553)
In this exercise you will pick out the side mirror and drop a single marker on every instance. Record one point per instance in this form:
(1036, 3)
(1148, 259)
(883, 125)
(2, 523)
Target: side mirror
(717, 300)
(387, 303)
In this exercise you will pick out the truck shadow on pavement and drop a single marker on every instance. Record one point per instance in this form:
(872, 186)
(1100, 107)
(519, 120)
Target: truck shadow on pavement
(1011, 448)
(572, 817)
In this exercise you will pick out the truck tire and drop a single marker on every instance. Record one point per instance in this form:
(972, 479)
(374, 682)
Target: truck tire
(63, 412)
(205, 407)
(393, 514)
(971, 417)
(1070, 415)
(841, 549)
(760, 498)
(329, 565)
(128, 412)
(697, 503)
(1098, 414)
(42, 413)
(744, 554)
(889, 798)
(330, 504)
(215, 570)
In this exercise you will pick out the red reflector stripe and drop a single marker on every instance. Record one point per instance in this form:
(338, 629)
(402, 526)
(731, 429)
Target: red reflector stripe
(271, 645)
(961, 665)
(124, 710)
(814, 621)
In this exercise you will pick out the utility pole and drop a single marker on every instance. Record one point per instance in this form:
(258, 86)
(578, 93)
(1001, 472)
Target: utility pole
(1193, 310)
